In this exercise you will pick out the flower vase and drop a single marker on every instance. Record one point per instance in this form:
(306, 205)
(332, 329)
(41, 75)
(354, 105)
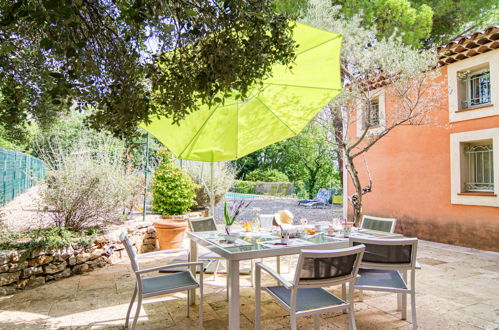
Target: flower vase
(229, 235)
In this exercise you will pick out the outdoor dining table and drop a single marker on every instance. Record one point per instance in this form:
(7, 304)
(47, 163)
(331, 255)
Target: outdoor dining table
(261, 245)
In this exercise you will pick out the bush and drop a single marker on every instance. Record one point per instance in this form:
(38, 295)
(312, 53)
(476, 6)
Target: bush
(173, 190)
(89, 185)
(49, 238)
(244, 187)
(260, 175)
(200, 173)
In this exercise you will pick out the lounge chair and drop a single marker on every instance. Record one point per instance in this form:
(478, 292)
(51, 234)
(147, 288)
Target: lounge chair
(321, 199)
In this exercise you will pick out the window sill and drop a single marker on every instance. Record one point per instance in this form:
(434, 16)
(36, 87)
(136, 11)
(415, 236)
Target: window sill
(476, 193)
(476, 108)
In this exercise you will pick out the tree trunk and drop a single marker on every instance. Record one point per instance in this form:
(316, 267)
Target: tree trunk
(356, 198)
(338, 131)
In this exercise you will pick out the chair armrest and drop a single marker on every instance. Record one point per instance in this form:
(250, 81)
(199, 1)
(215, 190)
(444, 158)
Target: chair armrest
(275, 275)
(150, 254)
(148, 270)
(418, 265)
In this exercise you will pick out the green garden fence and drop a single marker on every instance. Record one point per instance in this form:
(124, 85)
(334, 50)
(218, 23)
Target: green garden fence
(18, 172)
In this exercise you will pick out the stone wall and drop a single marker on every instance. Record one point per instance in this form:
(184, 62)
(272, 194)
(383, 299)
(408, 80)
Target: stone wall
(26, 269)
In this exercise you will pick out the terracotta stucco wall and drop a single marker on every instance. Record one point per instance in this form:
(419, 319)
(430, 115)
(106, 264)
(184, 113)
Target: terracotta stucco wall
(410, 168)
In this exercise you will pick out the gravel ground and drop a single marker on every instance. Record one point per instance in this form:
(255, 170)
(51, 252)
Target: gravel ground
(270, 206)
(23, 214)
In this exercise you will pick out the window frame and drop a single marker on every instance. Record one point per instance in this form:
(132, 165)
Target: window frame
(466, 102)
(471, 167)
(459, 195)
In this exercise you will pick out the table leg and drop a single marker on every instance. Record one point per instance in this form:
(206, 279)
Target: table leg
(193, 257)
(233, 273)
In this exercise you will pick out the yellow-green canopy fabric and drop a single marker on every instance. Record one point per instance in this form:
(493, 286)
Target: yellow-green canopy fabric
(279, 110)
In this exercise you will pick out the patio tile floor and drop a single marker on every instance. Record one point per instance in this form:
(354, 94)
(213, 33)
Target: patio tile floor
(457, 288)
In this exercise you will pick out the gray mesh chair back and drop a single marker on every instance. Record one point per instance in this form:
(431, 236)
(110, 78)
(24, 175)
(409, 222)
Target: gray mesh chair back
(202, 224)
(386, 253)
(130, 251)
(386, 225)
(319, 268)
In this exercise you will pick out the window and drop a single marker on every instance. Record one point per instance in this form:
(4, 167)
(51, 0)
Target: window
(477, 88)
(474, 159)
(478, 167)
(373, 118)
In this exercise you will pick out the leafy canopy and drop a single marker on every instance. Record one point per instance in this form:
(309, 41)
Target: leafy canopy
(453, 18)
(112, 53)
(409, 21)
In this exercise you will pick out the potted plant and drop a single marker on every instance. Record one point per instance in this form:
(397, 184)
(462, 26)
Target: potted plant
(173, 194)
(230, 216)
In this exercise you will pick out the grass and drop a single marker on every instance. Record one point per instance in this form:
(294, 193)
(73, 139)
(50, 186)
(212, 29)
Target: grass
(49, 238)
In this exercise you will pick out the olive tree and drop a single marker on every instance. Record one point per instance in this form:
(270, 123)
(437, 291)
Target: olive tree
(132, 59)
(371, 66)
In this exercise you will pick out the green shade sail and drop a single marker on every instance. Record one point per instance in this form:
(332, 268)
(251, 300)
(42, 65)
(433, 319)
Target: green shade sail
(278, 110)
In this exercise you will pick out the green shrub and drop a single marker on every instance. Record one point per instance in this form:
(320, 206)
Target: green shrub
(49, 238)
(260, 175)
(88, 185)
(173, 190)
(200, 173)
(244, 187)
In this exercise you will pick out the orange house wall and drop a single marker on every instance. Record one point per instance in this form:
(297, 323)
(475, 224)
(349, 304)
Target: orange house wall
(410, 169)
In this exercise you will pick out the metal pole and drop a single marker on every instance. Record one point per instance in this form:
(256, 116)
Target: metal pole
(212, 192)
(146, 171)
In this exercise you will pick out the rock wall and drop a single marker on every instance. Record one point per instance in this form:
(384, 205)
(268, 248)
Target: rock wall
(27, 269)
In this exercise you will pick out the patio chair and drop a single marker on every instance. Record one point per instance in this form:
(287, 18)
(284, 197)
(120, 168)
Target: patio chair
(201, 225)
(317, 197)
(322, 199)
(306, 295)
(208, 224)
(384, 268)
(162, 284)
(386, 225)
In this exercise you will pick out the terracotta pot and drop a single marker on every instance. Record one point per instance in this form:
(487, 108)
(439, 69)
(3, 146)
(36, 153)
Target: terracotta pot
(175, 217)
(170, 233)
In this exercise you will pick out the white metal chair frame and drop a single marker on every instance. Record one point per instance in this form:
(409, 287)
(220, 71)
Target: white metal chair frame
(214, 256)
(138, 290)
(403, 268)
(316, 283)
(369, 217)
(210, 255)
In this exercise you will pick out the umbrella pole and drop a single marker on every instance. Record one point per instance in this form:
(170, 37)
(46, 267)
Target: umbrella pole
(212, 192)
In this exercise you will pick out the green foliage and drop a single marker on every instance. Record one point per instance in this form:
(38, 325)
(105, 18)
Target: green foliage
(173, 190)
(409, 21)
(267, 175)
(88, 184)
(229, 221)
(306, 158)
(422, 22)
(49, 238)
(112, 53)
(244, 187)
(200, 172)
(452, 18)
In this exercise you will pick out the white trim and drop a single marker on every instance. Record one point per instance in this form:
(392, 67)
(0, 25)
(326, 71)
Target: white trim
(490, 60)
(455, 166)
(360, 120)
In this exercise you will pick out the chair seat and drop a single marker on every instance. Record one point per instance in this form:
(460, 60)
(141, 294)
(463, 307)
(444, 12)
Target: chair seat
(168, 282)
(380, 278)
(308, 298)
(210, 255)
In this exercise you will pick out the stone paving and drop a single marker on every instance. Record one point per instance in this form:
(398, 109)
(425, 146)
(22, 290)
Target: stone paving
(457, 288)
